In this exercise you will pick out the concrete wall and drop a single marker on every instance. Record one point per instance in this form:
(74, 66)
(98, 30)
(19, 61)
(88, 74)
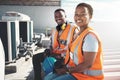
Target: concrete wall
(42, 16)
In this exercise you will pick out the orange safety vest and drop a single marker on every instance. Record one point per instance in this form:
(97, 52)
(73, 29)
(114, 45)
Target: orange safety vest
(60, 45)
(93, 73)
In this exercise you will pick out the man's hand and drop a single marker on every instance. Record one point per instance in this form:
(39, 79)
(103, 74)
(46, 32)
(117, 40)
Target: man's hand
(61, 71)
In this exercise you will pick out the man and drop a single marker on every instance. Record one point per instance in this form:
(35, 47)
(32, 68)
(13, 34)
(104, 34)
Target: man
(60, 39)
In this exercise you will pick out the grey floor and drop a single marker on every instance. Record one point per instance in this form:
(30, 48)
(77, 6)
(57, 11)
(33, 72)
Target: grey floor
(24, 69)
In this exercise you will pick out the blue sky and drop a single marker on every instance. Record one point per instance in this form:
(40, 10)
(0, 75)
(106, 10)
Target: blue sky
(104, 10)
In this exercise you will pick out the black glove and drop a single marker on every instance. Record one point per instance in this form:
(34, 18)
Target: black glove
(59, 64)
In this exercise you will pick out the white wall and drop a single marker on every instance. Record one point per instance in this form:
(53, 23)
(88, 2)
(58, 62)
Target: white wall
(106, 19)
(108, 32)
(42, 16)
(2, 62)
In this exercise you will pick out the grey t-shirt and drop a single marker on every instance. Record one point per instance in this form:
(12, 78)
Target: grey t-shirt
(90, 43)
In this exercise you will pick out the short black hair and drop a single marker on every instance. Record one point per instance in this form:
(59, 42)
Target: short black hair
(60, 9)
(88, 6)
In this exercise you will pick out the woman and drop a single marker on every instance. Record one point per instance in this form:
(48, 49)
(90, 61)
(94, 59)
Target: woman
(84, 57)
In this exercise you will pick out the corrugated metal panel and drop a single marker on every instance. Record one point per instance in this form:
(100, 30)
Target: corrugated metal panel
(31, 2)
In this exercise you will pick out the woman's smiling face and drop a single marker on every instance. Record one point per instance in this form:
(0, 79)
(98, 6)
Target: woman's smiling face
(82, 16)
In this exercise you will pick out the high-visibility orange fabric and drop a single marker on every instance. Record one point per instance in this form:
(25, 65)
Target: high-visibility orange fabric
(80, 76)
(63, 36)
(97, 65)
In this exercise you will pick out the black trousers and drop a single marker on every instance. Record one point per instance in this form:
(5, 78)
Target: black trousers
(36, 60)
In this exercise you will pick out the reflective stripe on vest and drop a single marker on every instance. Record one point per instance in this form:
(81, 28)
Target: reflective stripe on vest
(87, 72)
(68, 40)
(53, 35)
(75, 56)
(78, 58)
(69, 36)
(93, 72)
